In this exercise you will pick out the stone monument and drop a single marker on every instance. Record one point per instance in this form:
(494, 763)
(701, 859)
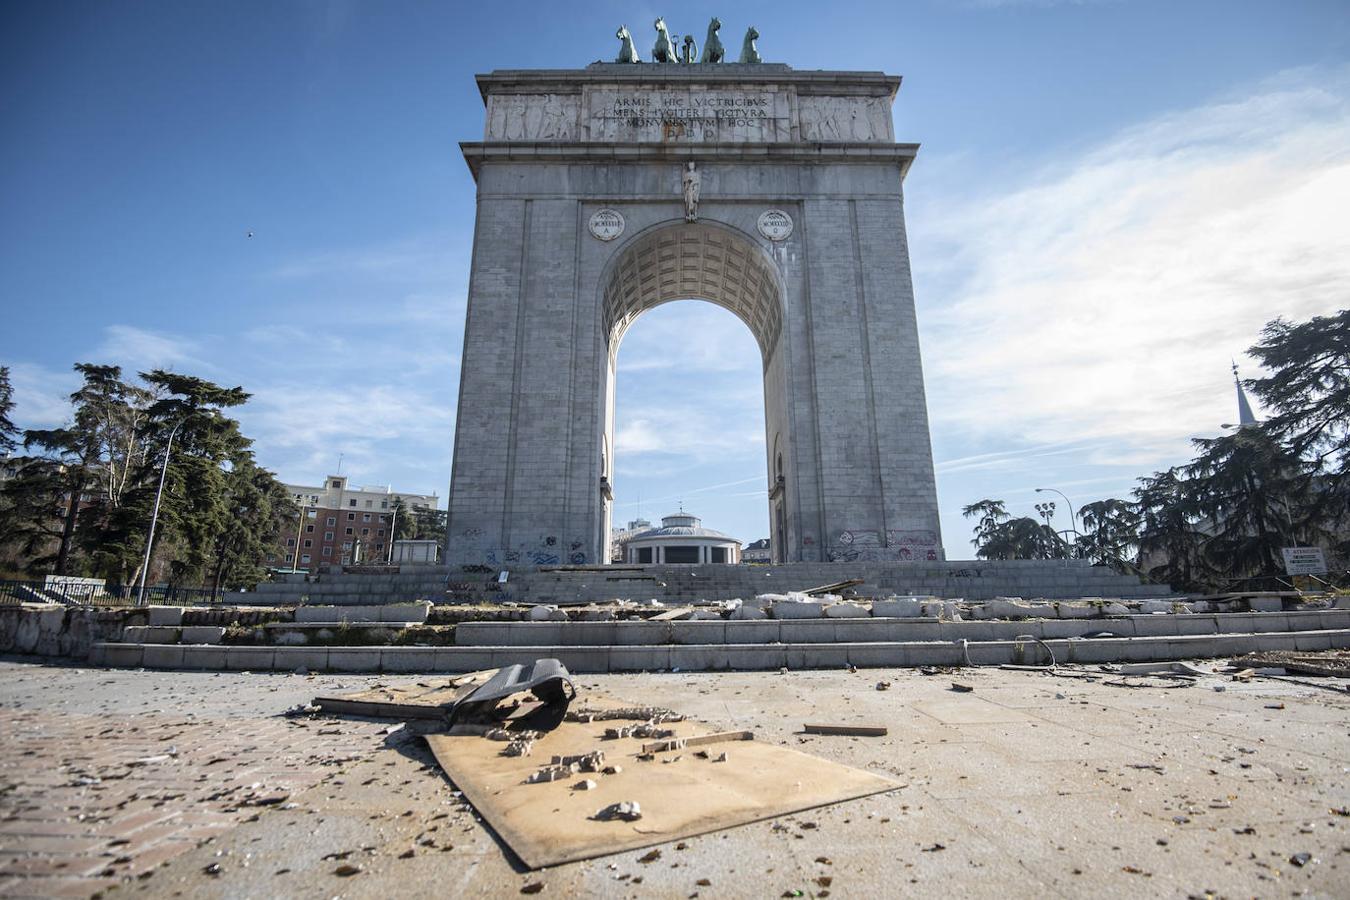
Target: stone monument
(774, 193)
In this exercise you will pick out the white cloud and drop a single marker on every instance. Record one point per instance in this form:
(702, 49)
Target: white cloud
(41, 395)
(140, 349)
(1103, 300)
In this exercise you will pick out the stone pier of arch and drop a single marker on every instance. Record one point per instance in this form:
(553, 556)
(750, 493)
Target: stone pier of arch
(582, 225)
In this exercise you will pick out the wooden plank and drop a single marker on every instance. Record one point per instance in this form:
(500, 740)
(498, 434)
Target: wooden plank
(855, 730)
(548, 824)
(697, 741)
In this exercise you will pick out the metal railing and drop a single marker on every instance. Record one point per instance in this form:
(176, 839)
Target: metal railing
(16, 591)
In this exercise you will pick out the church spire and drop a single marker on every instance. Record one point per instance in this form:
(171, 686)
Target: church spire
(1245, 416)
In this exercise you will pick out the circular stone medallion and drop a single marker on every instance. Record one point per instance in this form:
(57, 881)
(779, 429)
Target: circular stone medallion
(606, 224)
(775, 224)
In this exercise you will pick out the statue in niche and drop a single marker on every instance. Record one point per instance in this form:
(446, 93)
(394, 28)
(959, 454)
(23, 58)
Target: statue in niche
(690, 50)
(713, 51)
(749, 52)
(664, 51)
(691, 180)
(627, 52)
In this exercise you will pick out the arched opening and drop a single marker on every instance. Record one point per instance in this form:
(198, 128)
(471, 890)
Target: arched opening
(723, 267)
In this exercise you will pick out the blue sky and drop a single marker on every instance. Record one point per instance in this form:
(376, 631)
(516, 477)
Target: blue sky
(1110, 199)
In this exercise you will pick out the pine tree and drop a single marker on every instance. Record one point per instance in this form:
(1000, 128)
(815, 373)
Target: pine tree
(9, 435)
(1111, 537)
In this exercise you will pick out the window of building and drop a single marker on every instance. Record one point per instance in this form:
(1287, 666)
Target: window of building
(351, 502)
(346, 560)
(349, 531)
(365, 531)
(384, 518)
(328, 535)
(365, 517)
(305, 558)
(332, 520)
(384, 504)
(308, 543)
(290, 542)
(719, 554)
(337, 485)
(309, 529)
(327, 551)
(311, 513)
(346, 545)
(681, 555)
(271, 557)
(380, 532)
(351, 517)
(644, 554)
(369, 504)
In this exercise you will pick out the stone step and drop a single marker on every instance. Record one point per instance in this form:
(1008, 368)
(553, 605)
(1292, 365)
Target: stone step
(709, 657)
(818, 631)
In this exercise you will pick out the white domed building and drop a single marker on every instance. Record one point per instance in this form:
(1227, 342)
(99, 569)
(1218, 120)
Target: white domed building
(682, 539)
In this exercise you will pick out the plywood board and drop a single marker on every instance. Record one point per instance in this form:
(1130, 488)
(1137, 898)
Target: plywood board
(681, 794)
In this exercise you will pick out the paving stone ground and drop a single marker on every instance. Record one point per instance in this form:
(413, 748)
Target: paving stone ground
(1029, 786)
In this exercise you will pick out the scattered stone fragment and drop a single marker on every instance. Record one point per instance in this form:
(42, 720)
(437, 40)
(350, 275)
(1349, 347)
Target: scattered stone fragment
(721, 757)
(346, 870)
(584, 762)
(1301, 859)
(612, 770)
(1274, 706)
(408, 854)
(961, 688)
(627, 811)
(934, 849)
(655, 714)
(650, 856)
(212, 870)
(883, 685)
(533, 887)
(519, 747)
(552, 773)
(585, 784)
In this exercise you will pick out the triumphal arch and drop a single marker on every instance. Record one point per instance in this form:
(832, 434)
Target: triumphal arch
(777, 194)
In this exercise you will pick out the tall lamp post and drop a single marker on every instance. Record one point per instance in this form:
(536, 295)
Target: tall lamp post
(154, 516)
(1073, 516)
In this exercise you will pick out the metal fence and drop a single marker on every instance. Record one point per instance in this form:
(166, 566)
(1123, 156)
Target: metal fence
(13, 591)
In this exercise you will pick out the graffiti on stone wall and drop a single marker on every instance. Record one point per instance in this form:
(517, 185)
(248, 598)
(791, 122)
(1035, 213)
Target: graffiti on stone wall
(891, 546)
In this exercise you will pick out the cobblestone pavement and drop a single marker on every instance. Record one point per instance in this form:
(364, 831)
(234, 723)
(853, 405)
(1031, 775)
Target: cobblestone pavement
(89, 800)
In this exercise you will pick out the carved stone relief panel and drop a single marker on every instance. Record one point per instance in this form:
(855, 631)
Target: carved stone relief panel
(845, 119)
(533, 117)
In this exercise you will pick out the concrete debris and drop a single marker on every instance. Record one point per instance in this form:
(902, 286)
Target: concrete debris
(961, 688)
(585, 784)
(627, 811)
(650, 714)
(883, 685)
(584, 762)
(552, 773)
(698, 741)
(519, 747)
(721, 757)
(612, 770)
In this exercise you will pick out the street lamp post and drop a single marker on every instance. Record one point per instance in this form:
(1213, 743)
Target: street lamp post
(154, 516)
(1073, 516)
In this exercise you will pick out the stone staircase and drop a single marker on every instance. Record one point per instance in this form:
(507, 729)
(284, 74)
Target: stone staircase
(674, 584)
(1083, 633)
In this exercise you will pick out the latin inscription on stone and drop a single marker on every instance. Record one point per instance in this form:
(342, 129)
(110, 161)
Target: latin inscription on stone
(606, 224)
(692, 116)
(775, 224)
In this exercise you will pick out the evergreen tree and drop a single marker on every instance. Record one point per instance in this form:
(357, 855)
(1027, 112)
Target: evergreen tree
(1112, 534)
(9, 435)
(1170, 540)
(991, 514)
(257, 508)
(1253, 495)
(1308, 388)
